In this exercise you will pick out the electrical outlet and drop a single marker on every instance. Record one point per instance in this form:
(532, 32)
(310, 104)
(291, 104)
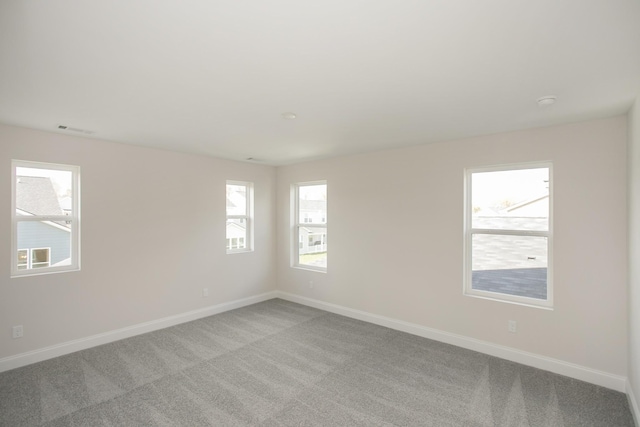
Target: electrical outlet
(18, 332)
(512, 326)
(310, 284)
(205, 292)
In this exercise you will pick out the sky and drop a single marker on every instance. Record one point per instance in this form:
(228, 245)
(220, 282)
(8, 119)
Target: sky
(491, 189)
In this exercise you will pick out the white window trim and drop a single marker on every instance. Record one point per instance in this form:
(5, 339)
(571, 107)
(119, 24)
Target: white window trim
(299, 223)
(74, 219)
(248, 217)
(469, 232)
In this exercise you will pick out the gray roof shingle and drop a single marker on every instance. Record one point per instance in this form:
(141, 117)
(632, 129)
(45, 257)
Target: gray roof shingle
(36, 195)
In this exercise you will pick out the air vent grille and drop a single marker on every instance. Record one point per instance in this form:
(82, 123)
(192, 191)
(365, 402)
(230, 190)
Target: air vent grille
(77, 130)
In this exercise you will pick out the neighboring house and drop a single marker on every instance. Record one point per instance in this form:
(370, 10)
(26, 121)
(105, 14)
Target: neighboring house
(236, 203)
(313, 211)
(535, 207)
(236, 228)
(236, 235)
(40, 243)
(312, 239)
(66, 204)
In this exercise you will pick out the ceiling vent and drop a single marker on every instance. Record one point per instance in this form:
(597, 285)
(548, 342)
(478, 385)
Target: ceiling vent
(76, 130)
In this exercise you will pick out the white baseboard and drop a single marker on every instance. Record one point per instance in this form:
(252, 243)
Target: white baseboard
(593, 376)
(45, 353)
(633, 404)
(604, 379)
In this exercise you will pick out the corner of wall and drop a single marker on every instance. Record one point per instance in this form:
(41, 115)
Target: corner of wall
(633, 368)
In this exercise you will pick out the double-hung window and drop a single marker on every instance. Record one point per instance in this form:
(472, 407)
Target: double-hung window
(45, 217)
(239, 217)
(508, 233)
(310, 225)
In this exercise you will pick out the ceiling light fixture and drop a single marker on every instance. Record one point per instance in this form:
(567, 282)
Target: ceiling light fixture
(289, 116)
(545, 101)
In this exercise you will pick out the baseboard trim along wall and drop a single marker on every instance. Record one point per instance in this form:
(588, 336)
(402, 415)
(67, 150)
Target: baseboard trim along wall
(61, 349)
(633, 404)
(582, 373)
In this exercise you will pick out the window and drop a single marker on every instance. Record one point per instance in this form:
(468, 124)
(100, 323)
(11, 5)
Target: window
(239, 216)
(310, 225)
(45, 218)
(508, 232)
(33, 258)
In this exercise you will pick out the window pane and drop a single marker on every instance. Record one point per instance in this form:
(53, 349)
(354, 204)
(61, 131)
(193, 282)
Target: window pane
(39, 258)
(313, 204)
(236, 233)
(23, 259)
(511, 200)
(313, 246)
(236, 199)
(514, 265)
(43, 191)
(48, 242)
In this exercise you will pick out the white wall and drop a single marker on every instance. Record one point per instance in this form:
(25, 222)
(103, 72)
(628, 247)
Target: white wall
(396, 244)
(634, 254)
(153, 235)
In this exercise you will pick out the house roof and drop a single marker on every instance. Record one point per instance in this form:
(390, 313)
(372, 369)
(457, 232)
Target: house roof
(35, 195)
(236, 203)
(313, 205)
(66, 203)
(525, 203)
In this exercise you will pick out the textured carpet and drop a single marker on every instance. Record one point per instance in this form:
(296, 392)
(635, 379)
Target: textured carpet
(282, 364)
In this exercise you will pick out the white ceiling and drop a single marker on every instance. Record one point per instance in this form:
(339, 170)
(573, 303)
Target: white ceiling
(213, 77)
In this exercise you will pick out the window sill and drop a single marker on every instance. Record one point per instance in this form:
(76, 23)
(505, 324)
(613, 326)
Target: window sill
(43, 273)
(544, 305)
(310, 268)
(239, 251)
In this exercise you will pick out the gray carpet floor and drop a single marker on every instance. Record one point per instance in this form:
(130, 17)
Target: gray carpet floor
(278, 363)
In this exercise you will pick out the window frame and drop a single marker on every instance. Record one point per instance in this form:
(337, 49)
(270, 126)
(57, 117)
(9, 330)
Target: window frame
(248, 217)
(299, 223)
(469, 232)
(73, 219)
